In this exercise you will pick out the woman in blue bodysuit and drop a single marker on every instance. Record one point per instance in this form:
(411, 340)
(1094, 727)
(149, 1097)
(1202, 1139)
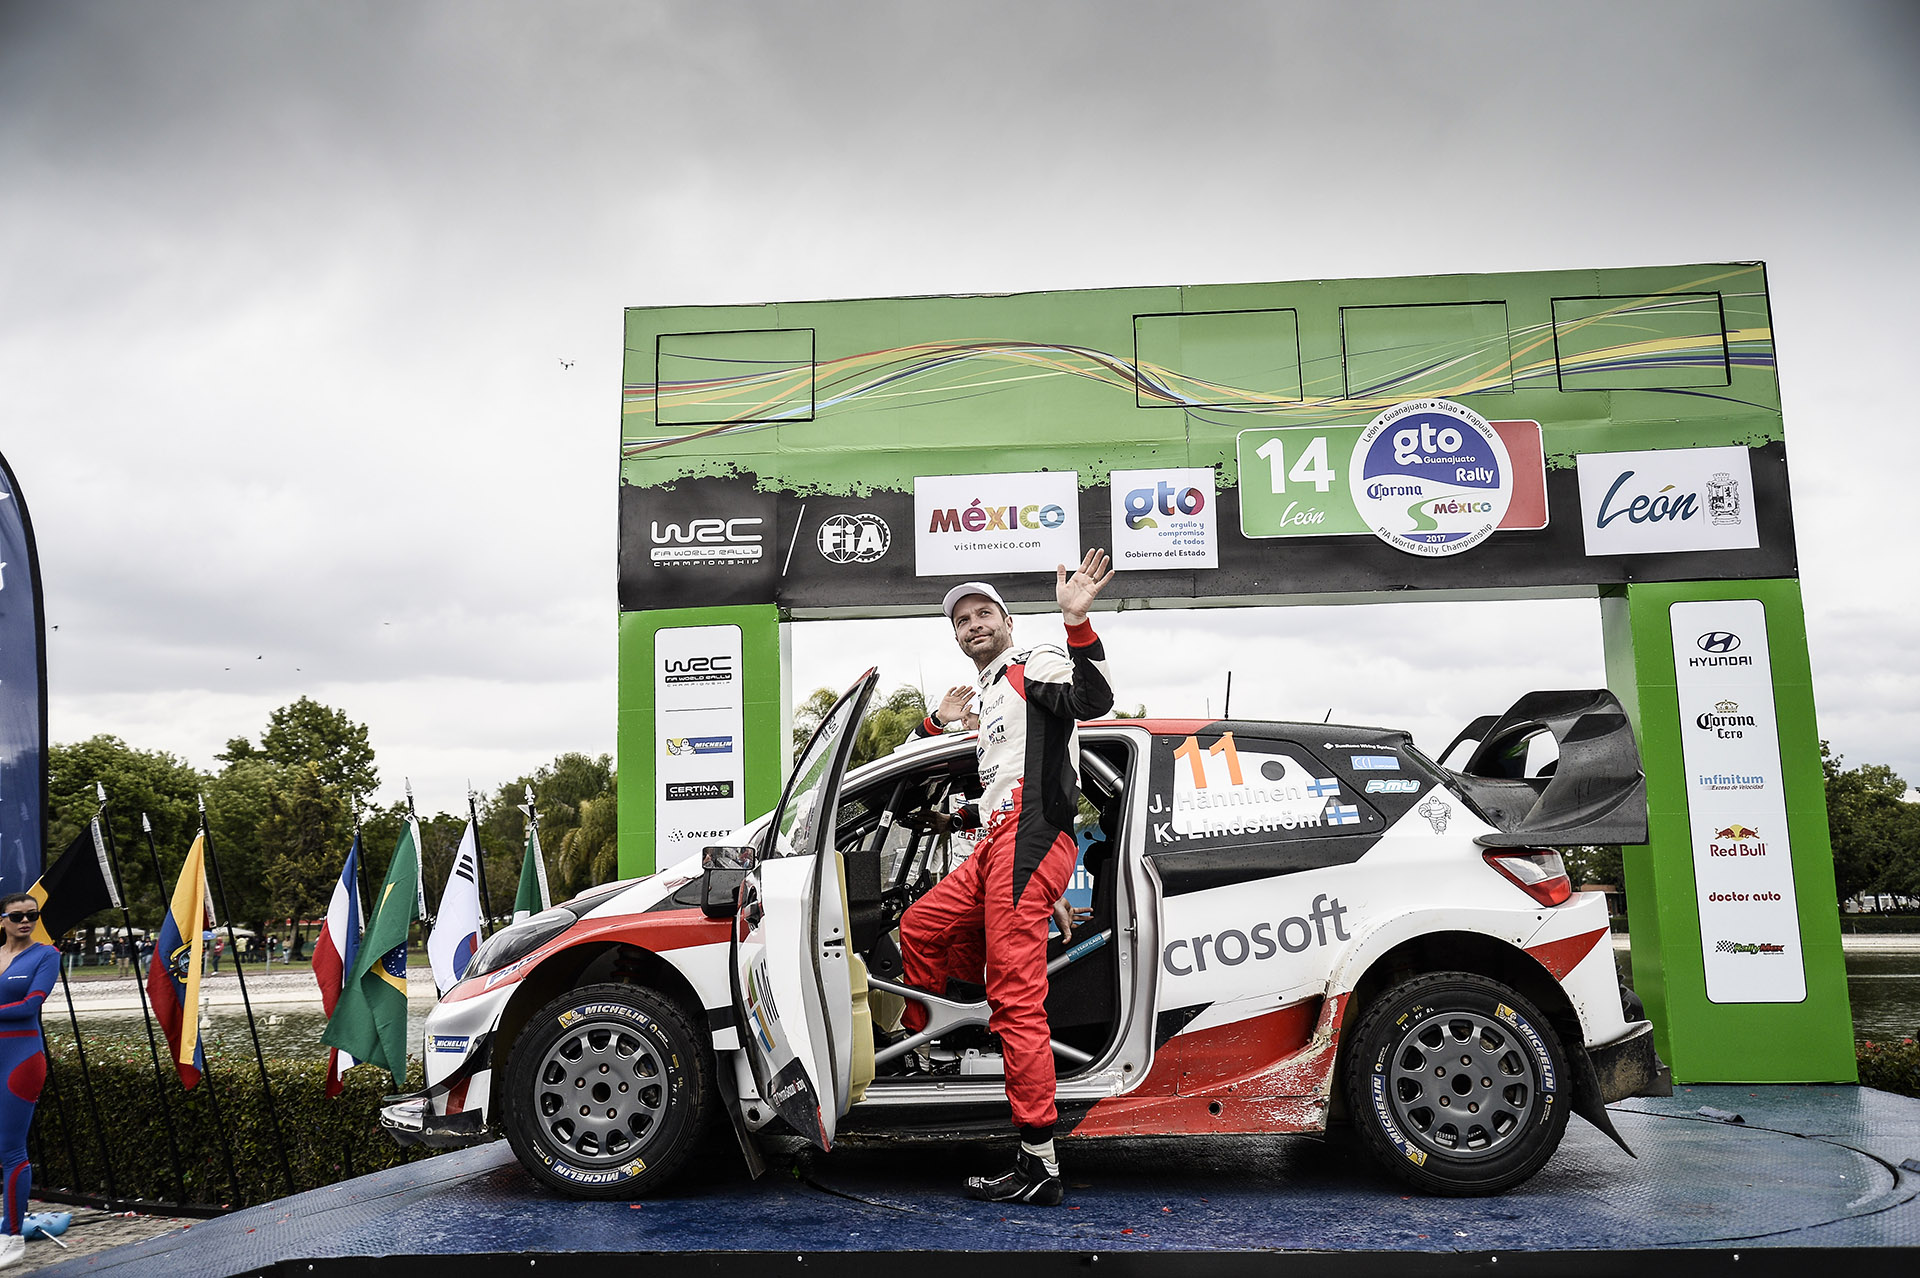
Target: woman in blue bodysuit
(27, 973)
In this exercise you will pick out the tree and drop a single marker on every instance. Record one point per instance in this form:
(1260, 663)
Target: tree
(307, 732)
(589, 853)
(1867, 817)
(808, 715)
(162, 785)
(302, 845)
(887, 725)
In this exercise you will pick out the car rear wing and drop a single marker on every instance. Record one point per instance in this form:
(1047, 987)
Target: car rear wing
(1593, 793)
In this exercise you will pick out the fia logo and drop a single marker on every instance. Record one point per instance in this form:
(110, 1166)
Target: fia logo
(853, 539)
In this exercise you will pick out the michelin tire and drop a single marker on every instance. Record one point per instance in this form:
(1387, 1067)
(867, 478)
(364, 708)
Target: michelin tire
(1457, 1085)
(608, 1092)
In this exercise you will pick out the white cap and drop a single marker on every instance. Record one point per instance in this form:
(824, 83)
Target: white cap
(966, 588)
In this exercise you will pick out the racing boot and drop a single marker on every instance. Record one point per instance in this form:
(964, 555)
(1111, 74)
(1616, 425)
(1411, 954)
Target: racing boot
(1034, 1178)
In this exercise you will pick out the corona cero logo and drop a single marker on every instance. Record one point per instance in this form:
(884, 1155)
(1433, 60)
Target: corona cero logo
(853, 539)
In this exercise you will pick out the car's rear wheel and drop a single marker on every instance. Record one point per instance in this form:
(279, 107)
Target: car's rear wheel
(607, 1092)
(1457, 1084)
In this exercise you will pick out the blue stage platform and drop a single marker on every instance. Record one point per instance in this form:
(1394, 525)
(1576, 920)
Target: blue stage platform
(1812, 1175)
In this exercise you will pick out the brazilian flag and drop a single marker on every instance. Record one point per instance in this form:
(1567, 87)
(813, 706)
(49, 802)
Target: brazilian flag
(369, 1023)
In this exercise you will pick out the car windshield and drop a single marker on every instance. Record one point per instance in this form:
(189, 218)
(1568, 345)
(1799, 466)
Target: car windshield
(793, 833)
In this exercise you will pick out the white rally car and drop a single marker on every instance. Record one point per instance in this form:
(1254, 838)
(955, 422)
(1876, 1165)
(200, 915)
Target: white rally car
(1291, 924)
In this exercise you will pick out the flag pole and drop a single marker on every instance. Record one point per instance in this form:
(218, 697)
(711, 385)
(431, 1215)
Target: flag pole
(240, 973)
(206, 1075)
(146, 1012)
(86, 1075)
(539, 853)
(420, 854)
(480, 865)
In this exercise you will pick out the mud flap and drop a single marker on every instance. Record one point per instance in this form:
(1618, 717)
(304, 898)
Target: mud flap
(1628, 1067)
(730, 1098)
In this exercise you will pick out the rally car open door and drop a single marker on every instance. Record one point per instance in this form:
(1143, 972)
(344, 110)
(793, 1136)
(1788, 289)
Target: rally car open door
(792, 973)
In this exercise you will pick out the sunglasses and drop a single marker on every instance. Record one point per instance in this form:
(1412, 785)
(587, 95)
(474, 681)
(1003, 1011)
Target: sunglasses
(23, 916)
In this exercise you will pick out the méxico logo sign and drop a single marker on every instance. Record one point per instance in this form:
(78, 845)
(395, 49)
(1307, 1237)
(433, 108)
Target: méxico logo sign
(1431, 477)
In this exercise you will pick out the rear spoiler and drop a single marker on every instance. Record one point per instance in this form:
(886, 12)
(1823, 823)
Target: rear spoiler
(1593, 793)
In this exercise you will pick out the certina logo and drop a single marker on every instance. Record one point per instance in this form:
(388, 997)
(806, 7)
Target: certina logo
(854, 539)
(978, 517)
(1143, 503)
(680, 790)
(707, 541)
(1392, 785)
(1260, 942)
(1720, 645)
(699, 669)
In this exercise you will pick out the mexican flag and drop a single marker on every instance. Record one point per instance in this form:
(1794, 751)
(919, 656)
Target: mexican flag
(369, 1022)
(532, 896)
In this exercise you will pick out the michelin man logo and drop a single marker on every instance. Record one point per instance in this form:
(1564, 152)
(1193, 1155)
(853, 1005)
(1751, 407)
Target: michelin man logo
(1436, 812)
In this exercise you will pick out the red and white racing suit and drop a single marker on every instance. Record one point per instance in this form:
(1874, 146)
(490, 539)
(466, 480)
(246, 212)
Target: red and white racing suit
(1002, 896)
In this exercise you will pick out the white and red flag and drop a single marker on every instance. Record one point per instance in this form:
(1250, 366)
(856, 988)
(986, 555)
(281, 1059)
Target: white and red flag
(334, 953)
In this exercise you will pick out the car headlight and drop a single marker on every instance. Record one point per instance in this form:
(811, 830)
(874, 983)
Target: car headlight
(516, 942)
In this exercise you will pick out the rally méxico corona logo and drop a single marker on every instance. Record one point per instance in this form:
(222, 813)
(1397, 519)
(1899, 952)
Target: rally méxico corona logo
(1431, 477)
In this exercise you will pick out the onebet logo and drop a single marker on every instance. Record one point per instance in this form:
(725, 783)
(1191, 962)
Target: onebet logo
(1142, 503)
(1260, 942)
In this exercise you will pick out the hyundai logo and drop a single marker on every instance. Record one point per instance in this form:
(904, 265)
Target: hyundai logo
(1718, 641)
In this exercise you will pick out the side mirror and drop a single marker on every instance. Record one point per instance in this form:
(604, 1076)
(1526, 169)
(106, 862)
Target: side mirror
(722, 871)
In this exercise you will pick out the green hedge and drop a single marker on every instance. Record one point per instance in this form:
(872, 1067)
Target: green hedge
(326, 1140)
(1891, 1067)
(1881, 923)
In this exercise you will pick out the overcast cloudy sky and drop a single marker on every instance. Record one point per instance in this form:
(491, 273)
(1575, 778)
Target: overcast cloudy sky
(285, 291)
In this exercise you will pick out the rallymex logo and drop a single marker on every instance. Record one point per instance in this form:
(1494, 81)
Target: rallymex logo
(707, 541)
(1142, 504)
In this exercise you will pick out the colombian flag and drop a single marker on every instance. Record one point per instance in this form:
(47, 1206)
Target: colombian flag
(173, 981)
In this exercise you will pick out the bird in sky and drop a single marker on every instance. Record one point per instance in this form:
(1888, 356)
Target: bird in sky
(566, 363)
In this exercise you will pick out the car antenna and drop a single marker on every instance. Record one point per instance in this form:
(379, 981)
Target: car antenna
(1329, 718)
(1226, 707)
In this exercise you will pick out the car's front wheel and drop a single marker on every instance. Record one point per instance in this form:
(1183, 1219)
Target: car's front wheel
(1457, 1084)
(607, 1092)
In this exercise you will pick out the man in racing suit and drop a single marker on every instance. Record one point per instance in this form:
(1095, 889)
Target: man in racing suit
(1003, 895)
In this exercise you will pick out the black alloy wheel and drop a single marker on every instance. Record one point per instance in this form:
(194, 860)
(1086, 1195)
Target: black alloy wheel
(608, 1092)
(1457, 1084)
